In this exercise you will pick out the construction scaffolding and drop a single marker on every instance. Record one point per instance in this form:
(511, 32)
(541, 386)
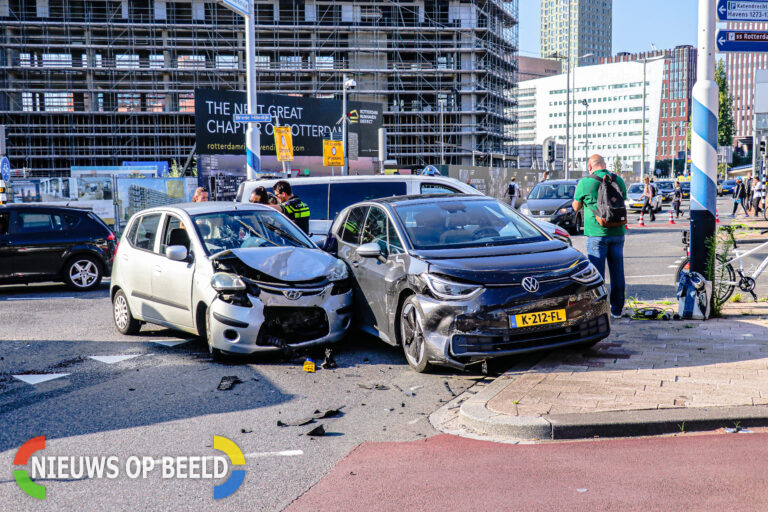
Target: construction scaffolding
(100, 82)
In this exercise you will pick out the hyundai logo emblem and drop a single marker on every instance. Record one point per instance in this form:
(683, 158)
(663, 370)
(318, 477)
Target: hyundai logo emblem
(296, 294)
(530, 284)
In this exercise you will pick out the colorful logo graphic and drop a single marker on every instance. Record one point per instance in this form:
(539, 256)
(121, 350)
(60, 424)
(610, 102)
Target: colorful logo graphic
(22, 477)
(237, 476)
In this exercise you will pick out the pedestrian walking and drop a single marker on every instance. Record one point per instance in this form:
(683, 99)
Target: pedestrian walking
(677, 198)
(647, 198)
(748, 188)
(293, 207)
(604, 243)
(757, 196)
(739, 197)
(513, 191)
(200, 195)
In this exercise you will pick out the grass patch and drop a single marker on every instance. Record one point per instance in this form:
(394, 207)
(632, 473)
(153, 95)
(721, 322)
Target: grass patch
(737, 297)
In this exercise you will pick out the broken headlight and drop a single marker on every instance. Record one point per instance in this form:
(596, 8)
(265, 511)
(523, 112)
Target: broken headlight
(445, 289)
(339, 272)
(231, 289)
(588, 275)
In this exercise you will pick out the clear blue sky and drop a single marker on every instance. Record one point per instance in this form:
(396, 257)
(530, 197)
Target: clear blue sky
(636, 24)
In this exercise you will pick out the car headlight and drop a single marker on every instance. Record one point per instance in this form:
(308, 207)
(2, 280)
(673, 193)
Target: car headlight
(450, 290)
(339, 272)
(567, 209)
(588, 275)
(525, 210)
(227, 283)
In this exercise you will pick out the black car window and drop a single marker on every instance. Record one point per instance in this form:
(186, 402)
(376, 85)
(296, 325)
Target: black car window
(5, 222)
(169, 238)
(70, 221)
(146, 231)
(375, 229)
(38, 222)
(350, 229)
(314, 196)
(345, 194)
(437, 188)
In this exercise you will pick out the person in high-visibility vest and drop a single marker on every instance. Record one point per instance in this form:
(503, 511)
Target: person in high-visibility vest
(293, 207)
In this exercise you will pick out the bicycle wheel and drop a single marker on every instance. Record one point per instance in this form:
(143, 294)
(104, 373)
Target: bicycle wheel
(725, 278)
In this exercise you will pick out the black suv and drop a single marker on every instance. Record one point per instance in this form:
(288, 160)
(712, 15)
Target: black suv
(50, 243)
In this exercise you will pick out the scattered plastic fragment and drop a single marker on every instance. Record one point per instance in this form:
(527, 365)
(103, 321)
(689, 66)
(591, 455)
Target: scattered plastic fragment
(317, 415)
(414, 388)
(329, 361)
(228, 382)
(448, 387)
(317, 431)
(377, 387)
(309, 366)
(295, 423)
(245, 431)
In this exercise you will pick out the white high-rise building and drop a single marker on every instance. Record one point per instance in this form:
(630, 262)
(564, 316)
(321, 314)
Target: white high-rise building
(590, 29)
(612, 122)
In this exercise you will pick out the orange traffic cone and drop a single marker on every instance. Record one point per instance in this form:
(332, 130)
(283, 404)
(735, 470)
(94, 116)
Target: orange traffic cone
(671, 218)
(717, 217)
(641, 223)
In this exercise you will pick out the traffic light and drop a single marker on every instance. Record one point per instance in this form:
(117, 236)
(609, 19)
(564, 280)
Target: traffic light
(763, 145)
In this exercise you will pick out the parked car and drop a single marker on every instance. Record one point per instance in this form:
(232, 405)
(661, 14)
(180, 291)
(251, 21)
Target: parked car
(53, 243)
(728, 187)
(552, 201)
(242, 277)
(666, 189)
(458, 279)
(326, 196)
(634, 202)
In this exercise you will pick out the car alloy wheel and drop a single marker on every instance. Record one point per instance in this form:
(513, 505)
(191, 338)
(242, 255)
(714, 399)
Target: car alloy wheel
(124, 320)
(83, 273)
(412, 336)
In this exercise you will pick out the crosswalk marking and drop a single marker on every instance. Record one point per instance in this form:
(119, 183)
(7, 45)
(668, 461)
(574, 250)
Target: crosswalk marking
(170, 343)
(33, 379)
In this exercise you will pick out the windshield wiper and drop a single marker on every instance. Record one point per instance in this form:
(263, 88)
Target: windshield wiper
(285, 234)
(254, 233)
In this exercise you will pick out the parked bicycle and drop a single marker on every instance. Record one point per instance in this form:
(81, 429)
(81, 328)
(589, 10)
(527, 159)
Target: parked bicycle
(726, 277)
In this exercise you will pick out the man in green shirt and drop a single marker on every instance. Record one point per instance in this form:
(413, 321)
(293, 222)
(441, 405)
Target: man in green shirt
(603, 243)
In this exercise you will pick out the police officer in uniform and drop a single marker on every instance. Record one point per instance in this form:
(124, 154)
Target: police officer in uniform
(293, 207)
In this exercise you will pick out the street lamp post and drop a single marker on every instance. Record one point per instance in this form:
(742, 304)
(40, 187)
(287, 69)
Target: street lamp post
(347, 83)
(586, 130)
(442, 133)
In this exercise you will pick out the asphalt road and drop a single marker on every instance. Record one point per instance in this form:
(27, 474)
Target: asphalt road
(160, 397)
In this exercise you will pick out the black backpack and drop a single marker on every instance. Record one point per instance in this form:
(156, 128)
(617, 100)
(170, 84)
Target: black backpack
(610, 210)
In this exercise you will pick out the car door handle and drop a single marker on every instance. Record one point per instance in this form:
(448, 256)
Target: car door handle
(158, 269)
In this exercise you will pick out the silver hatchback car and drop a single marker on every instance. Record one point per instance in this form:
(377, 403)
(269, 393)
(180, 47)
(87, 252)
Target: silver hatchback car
(243, 277)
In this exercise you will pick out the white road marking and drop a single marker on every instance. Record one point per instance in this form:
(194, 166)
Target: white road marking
(284, 453)
(170, 343)
(39, 378)
(672, 266)
(113, 359)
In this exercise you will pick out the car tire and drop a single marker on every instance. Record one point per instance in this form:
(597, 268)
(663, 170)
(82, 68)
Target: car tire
(83, 273)
(411, 334)
(121, 314)
(205, 335)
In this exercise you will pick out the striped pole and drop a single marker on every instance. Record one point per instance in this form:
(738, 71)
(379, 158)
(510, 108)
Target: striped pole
(252, 133)
(704, 113)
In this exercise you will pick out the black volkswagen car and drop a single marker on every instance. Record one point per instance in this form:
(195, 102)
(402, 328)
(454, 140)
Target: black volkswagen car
(461, 279)
(49, 243)
(551, 201)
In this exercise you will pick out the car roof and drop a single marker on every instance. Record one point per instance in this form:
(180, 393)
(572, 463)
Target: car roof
(416, 199)
(208, 207)
(558, 182)
(309, 180)
(43, 206)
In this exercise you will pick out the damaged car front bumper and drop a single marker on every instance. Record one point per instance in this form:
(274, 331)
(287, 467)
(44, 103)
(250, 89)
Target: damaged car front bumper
(280, 318)
(459, 333)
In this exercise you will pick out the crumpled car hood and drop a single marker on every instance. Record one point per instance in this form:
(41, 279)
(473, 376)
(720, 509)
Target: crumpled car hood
(288, 264)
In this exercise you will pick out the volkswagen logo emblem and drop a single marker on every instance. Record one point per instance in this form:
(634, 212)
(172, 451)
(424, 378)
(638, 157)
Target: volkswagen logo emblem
(530, 285)
(296, 294)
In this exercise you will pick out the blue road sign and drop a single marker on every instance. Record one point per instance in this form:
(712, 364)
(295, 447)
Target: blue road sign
(242, 7)
(5, 169)
(742, 10)
(742, 41)
(251, 118)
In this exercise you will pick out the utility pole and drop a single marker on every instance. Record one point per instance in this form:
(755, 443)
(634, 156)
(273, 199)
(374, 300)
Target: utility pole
(442, 133)
(346, 84)
(704, 144)
(586, 131)
(568, 97)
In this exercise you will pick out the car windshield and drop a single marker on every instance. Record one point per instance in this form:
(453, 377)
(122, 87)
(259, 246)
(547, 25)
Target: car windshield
(248, 228)
(636, 188)
(461, 224)
(553, 191)
(685, 185)
(729, 183)
(665, 185)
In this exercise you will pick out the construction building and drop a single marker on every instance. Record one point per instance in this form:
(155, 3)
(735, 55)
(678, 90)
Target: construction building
(579, 31)
(101, 82)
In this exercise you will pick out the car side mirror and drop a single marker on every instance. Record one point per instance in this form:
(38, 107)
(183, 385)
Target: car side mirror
(176, 253)
(369, 250)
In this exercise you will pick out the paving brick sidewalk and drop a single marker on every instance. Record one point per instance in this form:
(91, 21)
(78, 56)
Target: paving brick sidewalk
(674, 370)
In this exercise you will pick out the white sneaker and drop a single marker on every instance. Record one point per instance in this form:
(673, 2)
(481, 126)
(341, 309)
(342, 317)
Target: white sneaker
(616, 316)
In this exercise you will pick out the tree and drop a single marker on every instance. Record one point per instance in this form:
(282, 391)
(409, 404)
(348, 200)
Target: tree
(725, 110)
(617, 165)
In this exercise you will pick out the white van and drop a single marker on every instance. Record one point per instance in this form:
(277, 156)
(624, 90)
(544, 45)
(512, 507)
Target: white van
(326, 196)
